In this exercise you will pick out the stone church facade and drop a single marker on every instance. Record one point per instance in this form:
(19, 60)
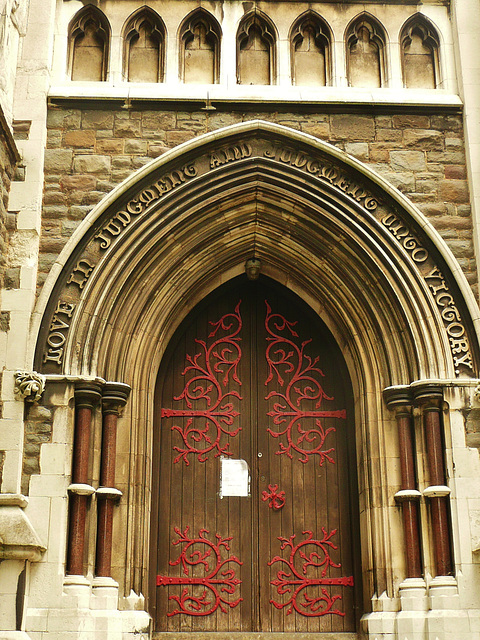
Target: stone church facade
(239, 322)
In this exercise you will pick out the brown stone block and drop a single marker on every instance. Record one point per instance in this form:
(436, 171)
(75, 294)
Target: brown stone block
(54, 197)
(462, 248)
(383, 122)
(97, 120)
(60, 119)
(352, 127)
(91, 164)
(455, 172)
(137, 147)
(80, 139)
(79, 212)
(404, 121)
(54, 139)
(389, 135)
(155, 150)
(424, 139)
(447, 122)
(78, 182)
(109, 146)
(127, 128)
(446, 157)
(216, 120)
(320, 130)
(58, 160)
(177, 137)
(408, 160)
(379, 154)
(358, 149)
(51, 212)
(158, 122)
(191, 124)
(454, 191)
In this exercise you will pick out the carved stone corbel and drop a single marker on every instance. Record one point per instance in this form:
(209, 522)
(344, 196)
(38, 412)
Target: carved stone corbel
(29, 385)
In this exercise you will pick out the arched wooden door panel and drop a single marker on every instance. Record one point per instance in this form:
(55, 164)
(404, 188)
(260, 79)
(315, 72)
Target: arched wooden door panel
(253, 383)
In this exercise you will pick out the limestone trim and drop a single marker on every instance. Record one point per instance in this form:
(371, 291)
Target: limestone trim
(18, 538)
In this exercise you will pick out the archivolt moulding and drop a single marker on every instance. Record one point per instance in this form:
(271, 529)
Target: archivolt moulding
(320, 221)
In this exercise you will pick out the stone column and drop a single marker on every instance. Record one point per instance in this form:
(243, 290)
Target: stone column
(87, 395)
(430, 397)
(115, 395)
(400, 400)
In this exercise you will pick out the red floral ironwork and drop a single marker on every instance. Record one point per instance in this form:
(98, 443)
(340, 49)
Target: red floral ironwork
(283, 353)
(292, 580)
(277, 498)
(216, 582)
(213, 369)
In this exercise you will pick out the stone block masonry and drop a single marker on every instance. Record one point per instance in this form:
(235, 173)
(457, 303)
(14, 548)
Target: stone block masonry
(91, 151)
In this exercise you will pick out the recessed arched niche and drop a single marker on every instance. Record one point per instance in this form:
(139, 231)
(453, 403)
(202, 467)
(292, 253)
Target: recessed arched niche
(310, 51)
(89, 37)
(256, 39)
(365, 42)
(420, 53)
(200, 36)
(144, 47)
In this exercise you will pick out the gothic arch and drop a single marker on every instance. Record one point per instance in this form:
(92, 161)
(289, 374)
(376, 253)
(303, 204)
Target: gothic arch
(420, 51)
(199, 46)
(312, 27)
(256, 50)
(89, 43)
(144, 38)
(324, 225)
(365, 41)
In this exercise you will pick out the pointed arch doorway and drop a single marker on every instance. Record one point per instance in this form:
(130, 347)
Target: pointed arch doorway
(254, 516)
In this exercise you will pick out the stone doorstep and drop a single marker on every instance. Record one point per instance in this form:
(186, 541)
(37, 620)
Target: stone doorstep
(240, 635)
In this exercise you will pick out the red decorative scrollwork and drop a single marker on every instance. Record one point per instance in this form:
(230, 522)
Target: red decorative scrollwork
(291, 581)
(213, 369)
(216, 582)
(276, 498)
(284, 354)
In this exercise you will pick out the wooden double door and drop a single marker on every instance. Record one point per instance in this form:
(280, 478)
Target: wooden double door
(254, 521)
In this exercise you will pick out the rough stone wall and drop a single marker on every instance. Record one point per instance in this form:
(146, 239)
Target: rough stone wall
(38, 429)
(91, 151)
(8, 163)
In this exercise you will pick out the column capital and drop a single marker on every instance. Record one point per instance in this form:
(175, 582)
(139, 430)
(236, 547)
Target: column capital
(427, 392)
(87, 394)
(115, 396)
(398, 397)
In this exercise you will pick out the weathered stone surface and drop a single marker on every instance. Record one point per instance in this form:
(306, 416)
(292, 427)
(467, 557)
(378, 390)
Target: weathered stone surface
(138, 147)
(447, 122)
(454, 191)
(424, 139)
(410, 121)
(358, 149)
(81, 182)
(109, 146)
(127, 129)
(352, 127)
(155, 150)
(319, 130)
(97, 120)
(408, 160)
(455, 172)
(92, 164)
(58, 160)
(12, 278)
(4, 320)
(80, 139)
(389, 135)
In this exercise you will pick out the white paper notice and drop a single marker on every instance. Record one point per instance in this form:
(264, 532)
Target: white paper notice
(234, 478)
